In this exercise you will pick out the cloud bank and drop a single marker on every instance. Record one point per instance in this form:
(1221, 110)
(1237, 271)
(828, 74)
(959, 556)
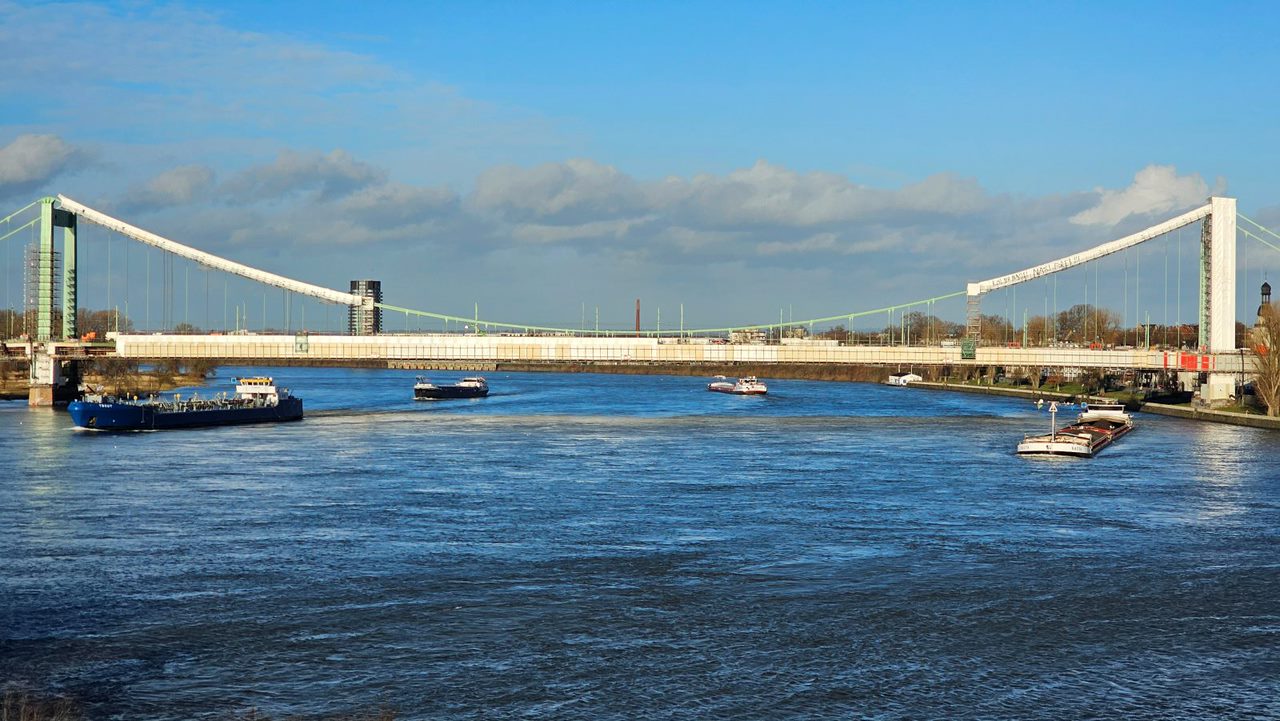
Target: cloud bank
(30, 161)
(591, 228)
(1155, 189)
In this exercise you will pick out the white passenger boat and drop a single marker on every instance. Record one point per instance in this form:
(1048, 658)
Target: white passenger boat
(745, 386)
(1095, 428)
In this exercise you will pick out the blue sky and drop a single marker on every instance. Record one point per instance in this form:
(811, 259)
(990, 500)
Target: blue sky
(734, 157)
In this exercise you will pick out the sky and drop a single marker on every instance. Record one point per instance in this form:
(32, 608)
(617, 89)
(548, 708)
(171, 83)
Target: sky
(734, 158)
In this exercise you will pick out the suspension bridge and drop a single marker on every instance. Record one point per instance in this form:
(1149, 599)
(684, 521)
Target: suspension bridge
(52, 344)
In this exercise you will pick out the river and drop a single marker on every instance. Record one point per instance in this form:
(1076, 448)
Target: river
(585, 546)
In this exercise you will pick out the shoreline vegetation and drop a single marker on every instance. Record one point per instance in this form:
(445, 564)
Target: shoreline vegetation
(115, 376)
(128, 378)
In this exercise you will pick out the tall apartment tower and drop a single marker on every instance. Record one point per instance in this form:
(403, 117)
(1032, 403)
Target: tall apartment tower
(360, 321)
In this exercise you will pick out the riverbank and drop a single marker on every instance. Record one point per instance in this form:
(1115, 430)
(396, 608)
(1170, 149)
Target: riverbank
(1162, 409)
(141, 383)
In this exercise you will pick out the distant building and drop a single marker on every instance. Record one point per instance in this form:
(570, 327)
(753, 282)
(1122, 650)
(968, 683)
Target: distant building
(1266, 301)
(360, 321)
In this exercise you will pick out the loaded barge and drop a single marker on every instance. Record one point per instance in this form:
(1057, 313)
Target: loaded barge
(473, 387)
(1095, 428)
(257, 400)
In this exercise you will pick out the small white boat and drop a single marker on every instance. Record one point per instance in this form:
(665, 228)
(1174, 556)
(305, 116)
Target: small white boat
(903, 379)
(744, 386)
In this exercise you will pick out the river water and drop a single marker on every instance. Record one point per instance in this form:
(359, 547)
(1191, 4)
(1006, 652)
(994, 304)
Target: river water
(634, 547)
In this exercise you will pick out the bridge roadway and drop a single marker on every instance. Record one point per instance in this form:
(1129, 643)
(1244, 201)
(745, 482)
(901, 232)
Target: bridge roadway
(427, 349)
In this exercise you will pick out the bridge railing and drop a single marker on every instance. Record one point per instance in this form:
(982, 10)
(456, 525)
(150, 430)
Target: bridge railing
(636, 350)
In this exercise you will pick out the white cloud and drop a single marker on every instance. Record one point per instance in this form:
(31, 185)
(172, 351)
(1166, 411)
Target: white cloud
(32, 160)
(177, 186)
(331, 213)
(1155, 189)
(565, 192)
(821, 241)
(331, 176)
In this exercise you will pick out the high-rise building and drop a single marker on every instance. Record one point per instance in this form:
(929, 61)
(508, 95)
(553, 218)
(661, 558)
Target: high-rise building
(359, 320)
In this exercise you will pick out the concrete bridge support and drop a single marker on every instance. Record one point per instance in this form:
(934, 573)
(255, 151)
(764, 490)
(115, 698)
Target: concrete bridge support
(1218, 295)
(53, 379)
(51, 376)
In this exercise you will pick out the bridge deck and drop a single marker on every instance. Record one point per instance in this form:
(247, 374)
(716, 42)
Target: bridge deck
(342, 348)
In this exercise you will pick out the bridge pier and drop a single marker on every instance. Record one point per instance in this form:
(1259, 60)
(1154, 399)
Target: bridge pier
(52, 379)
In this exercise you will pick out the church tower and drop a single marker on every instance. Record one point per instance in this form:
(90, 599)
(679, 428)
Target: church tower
(1266, 301)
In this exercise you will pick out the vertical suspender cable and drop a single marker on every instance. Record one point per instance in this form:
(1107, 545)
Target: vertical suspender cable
(1005, 334)
(1124, 319)
(109, 280)
(126, 284)
(8, 268)
(1178, 291)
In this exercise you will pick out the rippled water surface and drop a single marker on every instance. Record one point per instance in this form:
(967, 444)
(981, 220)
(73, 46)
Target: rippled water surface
(633, 547)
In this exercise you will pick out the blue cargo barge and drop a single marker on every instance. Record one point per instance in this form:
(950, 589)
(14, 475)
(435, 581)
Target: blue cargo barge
(257, 400)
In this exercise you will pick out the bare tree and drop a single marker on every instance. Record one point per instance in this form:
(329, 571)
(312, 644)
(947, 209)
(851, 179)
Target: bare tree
(1266, 363)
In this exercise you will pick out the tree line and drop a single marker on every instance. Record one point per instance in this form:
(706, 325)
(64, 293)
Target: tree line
(17, 324)
(1081, 325)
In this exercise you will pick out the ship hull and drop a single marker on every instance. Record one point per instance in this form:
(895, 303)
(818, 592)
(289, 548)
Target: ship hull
(142, 417)
(443, 392)
(1079, 440)
(731, 389)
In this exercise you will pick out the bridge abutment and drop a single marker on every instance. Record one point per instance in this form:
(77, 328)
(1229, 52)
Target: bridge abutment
(52, 379)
